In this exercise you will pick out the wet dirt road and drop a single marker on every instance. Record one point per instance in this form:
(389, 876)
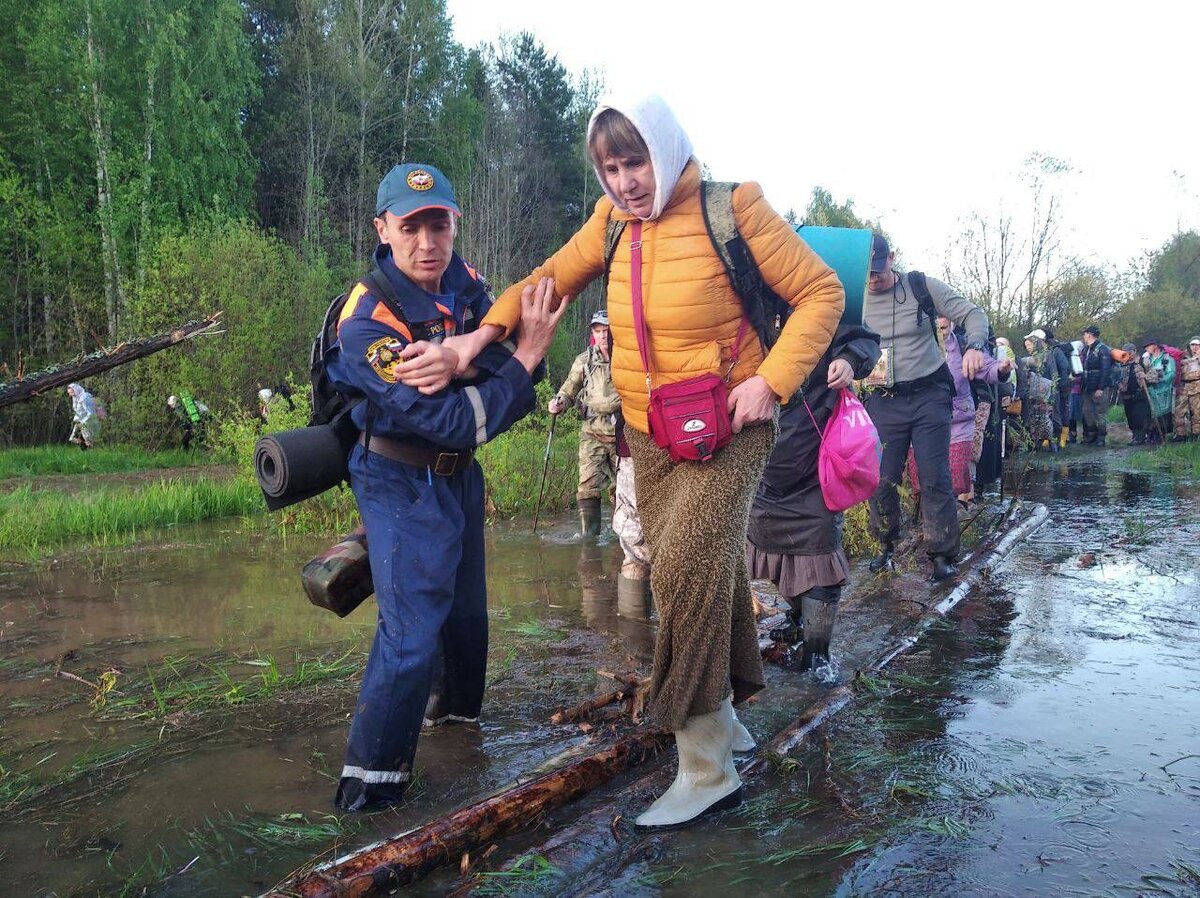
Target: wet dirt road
(1020, 750)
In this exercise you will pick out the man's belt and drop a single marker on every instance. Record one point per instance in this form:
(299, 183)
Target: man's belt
(908, 387)
(444, 464)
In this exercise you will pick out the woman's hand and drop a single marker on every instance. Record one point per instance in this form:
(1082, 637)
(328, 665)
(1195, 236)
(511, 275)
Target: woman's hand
(427, 367)
(840, 374)
(752, 402)
(539, 320)
(467, 346)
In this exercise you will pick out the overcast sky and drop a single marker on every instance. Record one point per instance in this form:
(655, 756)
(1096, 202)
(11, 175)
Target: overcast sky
(919, 112)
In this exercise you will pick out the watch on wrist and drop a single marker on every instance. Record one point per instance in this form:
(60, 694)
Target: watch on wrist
(976, 346)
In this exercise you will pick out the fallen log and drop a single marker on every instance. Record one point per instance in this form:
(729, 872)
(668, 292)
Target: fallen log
(403, 860)
(26, 387)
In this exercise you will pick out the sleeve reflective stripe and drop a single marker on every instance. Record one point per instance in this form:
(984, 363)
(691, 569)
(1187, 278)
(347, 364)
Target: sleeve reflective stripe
(480, 414)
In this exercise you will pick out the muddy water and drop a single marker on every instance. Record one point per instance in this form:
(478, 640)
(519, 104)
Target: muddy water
(1044, 741)
(110, 794)
(1027, 747)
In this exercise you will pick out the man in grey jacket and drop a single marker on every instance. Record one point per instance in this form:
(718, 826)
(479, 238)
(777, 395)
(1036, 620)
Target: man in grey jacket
(910, 400)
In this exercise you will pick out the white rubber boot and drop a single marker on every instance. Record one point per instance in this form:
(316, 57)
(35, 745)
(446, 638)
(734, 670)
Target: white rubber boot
(706, 781)
(742, 740)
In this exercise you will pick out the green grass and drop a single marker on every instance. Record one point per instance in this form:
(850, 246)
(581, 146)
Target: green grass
(512, 465)
(1182, 459)
(39, 460)
(1116, 414)
(196, 685)
(527, 873)
(35, 523)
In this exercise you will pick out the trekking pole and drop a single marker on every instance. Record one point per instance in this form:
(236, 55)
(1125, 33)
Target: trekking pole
(545, 467)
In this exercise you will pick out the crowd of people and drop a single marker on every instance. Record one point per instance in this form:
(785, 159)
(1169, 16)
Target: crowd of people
(1063, 391)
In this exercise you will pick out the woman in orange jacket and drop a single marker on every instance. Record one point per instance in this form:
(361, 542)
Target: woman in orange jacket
(694, 514)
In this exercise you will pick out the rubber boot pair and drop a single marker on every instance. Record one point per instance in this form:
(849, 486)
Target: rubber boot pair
(589, 516)
(706, 781)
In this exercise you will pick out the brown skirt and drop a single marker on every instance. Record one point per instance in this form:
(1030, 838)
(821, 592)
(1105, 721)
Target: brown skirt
(795, 575)
(694, 518)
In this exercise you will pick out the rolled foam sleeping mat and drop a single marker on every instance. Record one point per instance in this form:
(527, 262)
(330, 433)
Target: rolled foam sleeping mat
(294, 465)
(848, 252)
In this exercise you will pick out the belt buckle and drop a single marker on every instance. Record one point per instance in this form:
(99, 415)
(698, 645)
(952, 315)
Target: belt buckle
(445, 464)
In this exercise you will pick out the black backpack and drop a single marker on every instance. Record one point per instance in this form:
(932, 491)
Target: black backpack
(920, 289)
(764, 309)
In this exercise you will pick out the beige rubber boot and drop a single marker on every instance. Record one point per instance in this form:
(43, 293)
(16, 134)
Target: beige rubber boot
(707, 780)
(742, 740)
(633, 597)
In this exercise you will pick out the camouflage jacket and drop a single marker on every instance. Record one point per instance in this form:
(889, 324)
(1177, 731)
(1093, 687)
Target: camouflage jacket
(590, 387)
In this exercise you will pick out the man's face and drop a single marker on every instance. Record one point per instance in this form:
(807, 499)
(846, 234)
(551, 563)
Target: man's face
(1088, 339)
(1029, 346)
(879, 281)
(421, 243)
(631, 179)
(600, 338)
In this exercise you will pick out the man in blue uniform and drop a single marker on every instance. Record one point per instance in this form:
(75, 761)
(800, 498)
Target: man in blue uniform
(418, 488)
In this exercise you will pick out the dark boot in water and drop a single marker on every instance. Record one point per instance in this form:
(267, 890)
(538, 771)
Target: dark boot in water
(819, 608)
(884, 561)
(589, 516)
(943, 569)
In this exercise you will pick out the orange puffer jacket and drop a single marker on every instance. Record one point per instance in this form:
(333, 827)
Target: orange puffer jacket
(692, 312)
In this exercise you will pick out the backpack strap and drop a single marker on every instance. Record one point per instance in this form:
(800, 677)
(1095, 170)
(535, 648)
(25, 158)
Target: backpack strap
(920, 289)
(612, 236)
(759, 303)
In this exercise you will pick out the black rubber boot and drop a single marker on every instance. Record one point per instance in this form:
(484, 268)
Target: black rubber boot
(943, 569)
(589, 516)
(791, 633)
(884, 561)
(819, 609)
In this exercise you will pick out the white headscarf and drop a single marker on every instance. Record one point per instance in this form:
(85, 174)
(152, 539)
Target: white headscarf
(82, 403)
(670, 148)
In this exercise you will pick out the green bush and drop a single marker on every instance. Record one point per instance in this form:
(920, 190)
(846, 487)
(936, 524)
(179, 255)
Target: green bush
(272, 301)
(1116, 414)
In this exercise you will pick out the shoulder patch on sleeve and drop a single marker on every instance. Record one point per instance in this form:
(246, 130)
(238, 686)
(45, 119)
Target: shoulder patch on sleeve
(383, 356)
(351, 303)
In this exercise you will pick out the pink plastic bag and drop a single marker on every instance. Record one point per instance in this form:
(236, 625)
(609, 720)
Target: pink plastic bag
(848, 463)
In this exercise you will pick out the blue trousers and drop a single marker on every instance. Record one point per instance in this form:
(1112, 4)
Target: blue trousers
(425, 539)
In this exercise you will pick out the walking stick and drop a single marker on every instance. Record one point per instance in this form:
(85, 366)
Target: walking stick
(545, 467)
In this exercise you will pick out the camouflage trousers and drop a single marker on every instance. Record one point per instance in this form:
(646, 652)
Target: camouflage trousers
(597, 465)
(628, 526)
(1187, 406)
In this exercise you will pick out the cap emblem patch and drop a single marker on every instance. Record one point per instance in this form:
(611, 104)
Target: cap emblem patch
(419, 179)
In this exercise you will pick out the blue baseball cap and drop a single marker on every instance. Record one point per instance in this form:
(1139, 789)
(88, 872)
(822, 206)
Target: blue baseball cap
(879, 253)
(411, 187)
